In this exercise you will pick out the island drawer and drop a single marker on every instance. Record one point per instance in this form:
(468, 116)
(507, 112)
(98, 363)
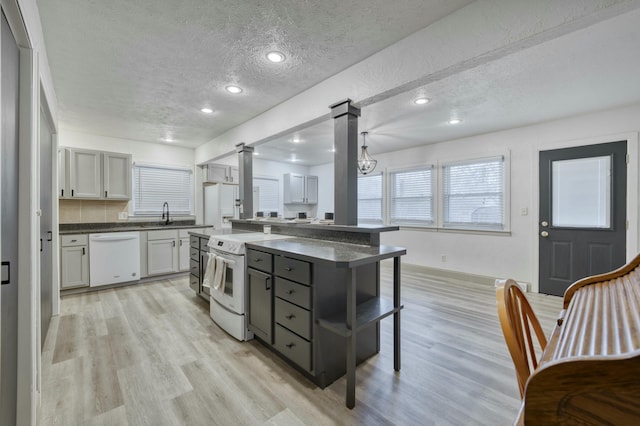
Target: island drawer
(293, 347)
(194, 241)
(194, 253)
(295, 270)
(259, 260)
(74, 240)
(194, 267)
(203, 244)
(293, 317)
(293, 292)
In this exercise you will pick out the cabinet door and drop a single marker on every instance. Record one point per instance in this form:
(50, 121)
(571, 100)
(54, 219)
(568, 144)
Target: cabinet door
(74, 267)
(84, 173)
(217, 173)
(294, 189)
(184, 254)
(162, 257)
(63, 174)
(117, 175)
(311, 194)
(260, 310)
(233, 174)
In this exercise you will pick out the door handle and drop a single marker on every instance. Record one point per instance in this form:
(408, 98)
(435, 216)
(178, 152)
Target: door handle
(50, 235)
(544, 234)
(8, 265)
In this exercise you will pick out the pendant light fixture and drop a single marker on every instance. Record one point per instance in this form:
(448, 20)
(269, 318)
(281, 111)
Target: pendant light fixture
(366, 164)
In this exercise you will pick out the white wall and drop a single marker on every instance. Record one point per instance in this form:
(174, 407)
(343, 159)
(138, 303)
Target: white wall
(514, 255)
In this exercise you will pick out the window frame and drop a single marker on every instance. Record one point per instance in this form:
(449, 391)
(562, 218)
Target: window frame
(172, 167)
(434, 195)
(506, 194)
(382, 220)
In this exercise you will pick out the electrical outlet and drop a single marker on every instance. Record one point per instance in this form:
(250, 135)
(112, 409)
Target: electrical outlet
(524, 211)
(122, 215)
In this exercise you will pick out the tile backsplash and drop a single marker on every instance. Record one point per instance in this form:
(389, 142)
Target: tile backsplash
(91, 211)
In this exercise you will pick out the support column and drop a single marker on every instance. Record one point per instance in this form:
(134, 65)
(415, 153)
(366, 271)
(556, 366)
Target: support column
(345, 201)
(245, 169)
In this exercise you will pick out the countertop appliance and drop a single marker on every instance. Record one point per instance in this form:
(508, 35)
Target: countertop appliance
(115, 258)
(227, 302)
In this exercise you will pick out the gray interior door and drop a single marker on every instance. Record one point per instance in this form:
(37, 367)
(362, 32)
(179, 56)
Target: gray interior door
(46, 235)
(10, 68)
(582, 222)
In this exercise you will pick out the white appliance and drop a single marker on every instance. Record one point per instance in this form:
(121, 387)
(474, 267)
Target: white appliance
(227, 305)
(221, 204)
(114, 258)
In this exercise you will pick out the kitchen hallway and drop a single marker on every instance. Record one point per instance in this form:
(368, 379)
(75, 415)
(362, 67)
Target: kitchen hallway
(150, 355)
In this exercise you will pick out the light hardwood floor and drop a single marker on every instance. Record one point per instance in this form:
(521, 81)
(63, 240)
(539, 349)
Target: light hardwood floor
(150, 355)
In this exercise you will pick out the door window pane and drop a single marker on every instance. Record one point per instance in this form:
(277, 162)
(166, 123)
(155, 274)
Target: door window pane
(581, 193)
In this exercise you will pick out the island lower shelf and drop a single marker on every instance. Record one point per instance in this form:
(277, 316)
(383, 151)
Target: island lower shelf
(367, 313)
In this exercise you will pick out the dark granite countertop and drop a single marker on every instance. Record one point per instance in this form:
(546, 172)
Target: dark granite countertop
(95, 228)
(362, 228)
(341, 255)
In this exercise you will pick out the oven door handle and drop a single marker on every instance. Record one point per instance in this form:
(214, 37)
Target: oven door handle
(266, 283)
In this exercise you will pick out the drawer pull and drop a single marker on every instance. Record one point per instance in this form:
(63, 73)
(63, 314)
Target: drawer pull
(290, 316)
(290, 345)
(291, 291)
(289, 269)
(73, 241)
(258, 260)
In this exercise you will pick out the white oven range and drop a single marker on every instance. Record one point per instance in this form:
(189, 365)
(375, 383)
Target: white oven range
(227, 304)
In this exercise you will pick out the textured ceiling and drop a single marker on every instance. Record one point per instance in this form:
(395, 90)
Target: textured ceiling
(592, 69)
(142, 69)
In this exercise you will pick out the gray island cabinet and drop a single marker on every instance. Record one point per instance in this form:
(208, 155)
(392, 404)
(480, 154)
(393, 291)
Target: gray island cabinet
(317, 303)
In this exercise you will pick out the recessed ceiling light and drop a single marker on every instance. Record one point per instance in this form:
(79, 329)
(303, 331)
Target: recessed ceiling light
(295, 139)
(455, 121)
(256, 153)
(332, 150)
(168, 139)
(421, 101)
(275, 57)
(233, 89)
(206, 110)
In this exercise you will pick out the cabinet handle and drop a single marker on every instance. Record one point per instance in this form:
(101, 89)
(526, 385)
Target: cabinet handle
(83, 252)
(290, 291)
(8, 265)
(288, 269)
(290, 316)
(173, 243)
(180, 243)
(258, 260)
(105, 194)
(290, 345)
(50, 236)
(266, 283)
(62, 192)
(72, 192)
(74, 241)
(40, 245)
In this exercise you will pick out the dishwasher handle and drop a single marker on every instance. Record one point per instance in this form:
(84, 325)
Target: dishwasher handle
(116, 237)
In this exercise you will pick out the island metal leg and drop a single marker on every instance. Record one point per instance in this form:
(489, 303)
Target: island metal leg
(351, 339)
(396, 315)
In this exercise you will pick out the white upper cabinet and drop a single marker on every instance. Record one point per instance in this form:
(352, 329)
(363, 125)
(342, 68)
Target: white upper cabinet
(117, 175)
(85, 177)
(221, 173)
(88, 174)
(300, 189)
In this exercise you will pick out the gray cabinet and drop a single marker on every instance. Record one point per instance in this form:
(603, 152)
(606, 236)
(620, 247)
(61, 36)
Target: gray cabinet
(198, 257)
(260, 312)
(85, 178)
(89, 174)
(300, 189)
(116, 175)
(221, 173)
(74, 261)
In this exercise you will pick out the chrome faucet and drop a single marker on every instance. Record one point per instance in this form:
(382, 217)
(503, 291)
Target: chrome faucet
(166, 221)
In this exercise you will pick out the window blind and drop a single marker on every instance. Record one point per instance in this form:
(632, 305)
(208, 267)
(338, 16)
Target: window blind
(370, 198)
(153, 185)
(411, 197)
(473, 194)
(268, 194)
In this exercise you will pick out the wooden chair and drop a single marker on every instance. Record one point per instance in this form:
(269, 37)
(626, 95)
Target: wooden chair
(518, 320)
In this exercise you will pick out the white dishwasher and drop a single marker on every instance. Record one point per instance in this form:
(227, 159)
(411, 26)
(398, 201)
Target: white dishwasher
(114, 257)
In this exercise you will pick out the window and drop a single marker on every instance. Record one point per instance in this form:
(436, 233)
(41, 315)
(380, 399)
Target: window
(268, 194)
(411, 197)
(370, 198)
(153, 185)
(473, 194)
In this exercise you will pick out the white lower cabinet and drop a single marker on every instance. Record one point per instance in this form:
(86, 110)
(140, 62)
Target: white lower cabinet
(74, 261)
(167, 251)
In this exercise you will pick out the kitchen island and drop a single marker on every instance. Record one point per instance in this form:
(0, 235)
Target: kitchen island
(317, 303)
